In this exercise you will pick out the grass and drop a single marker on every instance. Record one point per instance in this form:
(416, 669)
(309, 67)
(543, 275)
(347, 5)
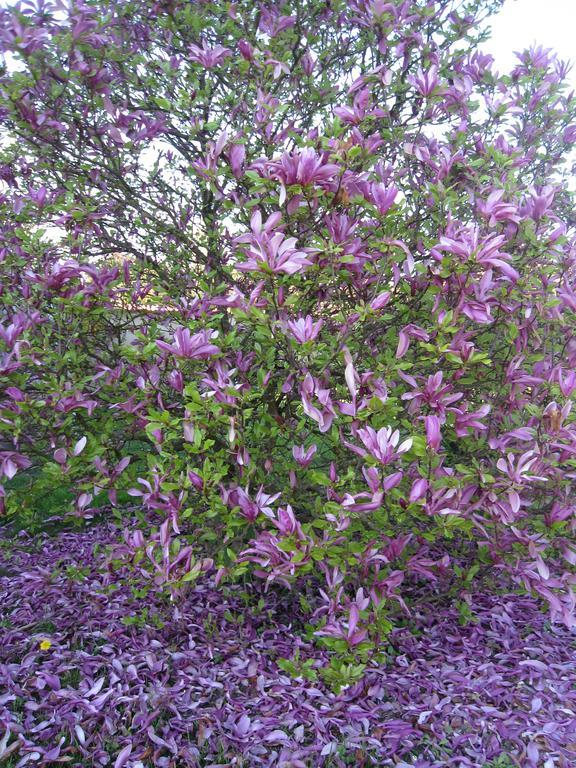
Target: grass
(71, 678)
(502, 761)
(45, 627)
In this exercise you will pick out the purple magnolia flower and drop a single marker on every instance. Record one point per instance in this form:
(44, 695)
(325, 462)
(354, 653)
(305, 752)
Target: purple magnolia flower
(567, 383)
(479, 308)
(248, 508)
(348, 630)
(350, 375)
(362, 502)
(246, 50)
(275, 254)
(435, 394)
(308, 62)
(176, 380)
(278, 67)
(190, 346)
(287, 524)
(382, 445)
(11, 462)
(468, 244)
(236, 157)
(567, 296)
(208, 164)
(465, 421)
(304, 455)
(221, 385)
(355, 114)
(251, 508)
(539, 202)
(569, 134)
(196, 480)
(380, 301)
(324, 415)
(433, 436)
(410, 331)
(303, 167)
(383, 197)
(341, 228)
(76, 400)
(516, 468)
(425, 82)
(269, 551)
(208, 57)
(494, 209)
(418, 490)
(304, 328)
(272, 22)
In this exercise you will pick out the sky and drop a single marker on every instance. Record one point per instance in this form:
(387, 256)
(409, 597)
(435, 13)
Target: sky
(550, 23)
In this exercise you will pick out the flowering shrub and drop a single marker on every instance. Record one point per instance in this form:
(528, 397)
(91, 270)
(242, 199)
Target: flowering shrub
(300, 279)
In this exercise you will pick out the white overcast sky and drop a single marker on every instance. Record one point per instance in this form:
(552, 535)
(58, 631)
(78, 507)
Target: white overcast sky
(550, 23)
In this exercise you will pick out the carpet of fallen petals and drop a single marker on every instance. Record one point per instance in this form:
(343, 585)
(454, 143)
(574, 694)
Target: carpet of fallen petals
(94, 672)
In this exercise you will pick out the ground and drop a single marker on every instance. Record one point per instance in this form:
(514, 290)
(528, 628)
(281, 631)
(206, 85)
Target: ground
(94, 671)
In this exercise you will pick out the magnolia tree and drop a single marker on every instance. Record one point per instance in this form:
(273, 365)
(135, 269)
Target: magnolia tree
(300, 280)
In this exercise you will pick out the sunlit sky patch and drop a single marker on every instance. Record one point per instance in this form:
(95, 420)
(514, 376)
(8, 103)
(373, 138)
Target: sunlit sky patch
(521, 23)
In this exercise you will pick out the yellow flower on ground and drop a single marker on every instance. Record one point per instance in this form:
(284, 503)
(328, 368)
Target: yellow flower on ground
(45, 645)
